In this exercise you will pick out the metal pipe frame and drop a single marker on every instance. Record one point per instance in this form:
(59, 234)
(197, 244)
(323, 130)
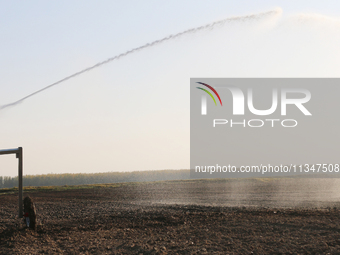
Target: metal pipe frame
(19, 155)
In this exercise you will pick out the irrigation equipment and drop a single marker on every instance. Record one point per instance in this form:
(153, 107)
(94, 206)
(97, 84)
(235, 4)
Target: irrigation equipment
(18, 153)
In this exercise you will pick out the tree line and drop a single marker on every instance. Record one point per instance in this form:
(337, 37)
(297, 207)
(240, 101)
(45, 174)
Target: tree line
(95, 178)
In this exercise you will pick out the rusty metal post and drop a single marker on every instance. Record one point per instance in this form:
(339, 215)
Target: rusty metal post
(20, 170)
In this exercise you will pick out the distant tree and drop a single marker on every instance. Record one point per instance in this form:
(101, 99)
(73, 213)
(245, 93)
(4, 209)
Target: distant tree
(97, 178)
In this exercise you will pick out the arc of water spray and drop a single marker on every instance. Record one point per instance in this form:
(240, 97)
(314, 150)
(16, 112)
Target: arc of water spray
(170, 37)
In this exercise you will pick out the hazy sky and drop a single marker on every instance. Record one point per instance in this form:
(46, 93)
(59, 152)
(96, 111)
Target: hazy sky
(133, 114)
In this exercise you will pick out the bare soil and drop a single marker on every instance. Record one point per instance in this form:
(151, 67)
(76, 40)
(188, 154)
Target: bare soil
(158, 218)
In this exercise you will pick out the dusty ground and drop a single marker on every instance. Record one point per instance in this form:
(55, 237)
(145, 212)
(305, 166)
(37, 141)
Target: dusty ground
(157, 218)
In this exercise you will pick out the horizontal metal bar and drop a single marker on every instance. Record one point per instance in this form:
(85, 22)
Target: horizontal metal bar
(9, 151)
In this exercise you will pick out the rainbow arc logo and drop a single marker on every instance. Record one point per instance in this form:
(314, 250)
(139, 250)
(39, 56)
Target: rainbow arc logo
(209, 93)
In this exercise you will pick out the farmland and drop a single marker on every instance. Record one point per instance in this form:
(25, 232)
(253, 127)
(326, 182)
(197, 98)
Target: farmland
(177, 217)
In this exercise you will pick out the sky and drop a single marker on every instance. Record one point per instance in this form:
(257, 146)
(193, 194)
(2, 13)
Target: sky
(133, 114)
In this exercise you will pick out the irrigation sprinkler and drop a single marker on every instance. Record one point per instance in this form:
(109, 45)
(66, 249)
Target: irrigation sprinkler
(18, 153)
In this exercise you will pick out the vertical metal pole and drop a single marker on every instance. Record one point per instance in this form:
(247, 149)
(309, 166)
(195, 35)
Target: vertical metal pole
(19, 156)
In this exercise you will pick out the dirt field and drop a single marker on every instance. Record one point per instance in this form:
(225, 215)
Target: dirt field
(180, 217)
